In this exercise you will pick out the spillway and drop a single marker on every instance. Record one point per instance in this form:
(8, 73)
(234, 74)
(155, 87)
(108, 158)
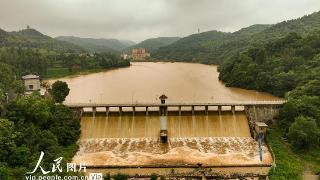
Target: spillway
(214, 139)
(186, 125)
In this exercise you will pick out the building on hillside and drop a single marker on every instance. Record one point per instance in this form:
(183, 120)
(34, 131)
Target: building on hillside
(32, 83)
(139, 54)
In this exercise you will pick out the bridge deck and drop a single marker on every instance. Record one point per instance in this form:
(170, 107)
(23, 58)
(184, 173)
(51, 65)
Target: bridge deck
(239, 103)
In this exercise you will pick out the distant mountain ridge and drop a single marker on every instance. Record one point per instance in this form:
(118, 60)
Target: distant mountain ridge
(98, 45)
(154, 44)
(3, 32)
(204, 47)
(29, 33)
(212, 49)
(31, 38)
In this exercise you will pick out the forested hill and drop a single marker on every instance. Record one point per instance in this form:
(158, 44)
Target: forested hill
(215, 51)
(154, 44)
(290, 67)
(31, 38)
(30, 33)
(302, 26)
(98, 45)
(202, 47)
(187, 48)
(29, 51)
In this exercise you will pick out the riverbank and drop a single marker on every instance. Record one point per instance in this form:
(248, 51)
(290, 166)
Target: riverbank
(60, 72)
(53, 73)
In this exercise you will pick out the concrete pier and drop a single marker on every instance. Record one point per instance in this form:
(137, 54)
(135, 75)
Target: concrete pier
(163, 120)
(233, 109)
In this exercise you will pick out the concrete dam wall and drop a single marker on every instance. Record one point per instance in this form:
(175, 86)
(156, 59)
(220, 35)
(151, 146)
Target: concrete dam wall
(214, 124)
(264, 114)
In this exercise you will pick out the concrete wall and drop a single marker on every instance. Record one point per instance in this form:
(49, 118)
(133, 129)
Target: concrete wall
(264, 114)
(34, 82)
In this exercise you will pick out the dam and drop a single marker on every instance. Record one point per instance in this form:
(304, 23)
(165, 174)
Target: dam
(212, 135)
(209, 128)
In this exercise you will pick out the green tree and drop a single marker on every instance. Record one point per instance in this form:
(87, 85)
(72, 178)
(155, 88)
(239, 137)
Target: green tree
(59, 91)
(7, 139)
(303, 133)
(8, 83)
(64, 125)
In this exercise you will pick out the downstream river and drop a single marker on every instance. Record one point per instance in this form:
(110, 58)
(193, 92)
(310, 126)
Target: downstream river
(144, 82)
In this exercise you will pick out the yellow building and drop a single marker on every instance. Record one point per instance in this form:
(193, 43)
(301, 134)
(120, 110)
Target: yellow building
(139, 54)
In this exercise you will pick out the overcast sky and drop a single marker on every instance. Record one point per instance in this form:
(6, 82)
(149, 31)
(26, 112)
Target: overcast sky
(141, 19)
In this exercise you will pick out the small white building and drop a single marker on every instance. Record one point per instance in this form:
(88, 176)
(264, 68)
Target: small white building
(124, 56)
(32, 83)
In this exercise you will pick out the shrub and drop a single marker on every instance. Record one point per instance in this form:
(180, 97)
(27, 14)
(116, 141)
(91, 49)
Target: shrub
(303, 132)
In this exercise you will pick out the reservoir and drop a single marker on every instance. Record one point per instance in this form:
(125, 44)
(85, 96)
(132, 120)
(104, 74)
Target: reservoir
(144, 82)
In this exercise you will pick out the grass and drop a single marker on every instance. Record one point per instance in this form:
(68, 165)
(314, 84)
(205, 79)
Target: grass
(312, 158)
(288, 164)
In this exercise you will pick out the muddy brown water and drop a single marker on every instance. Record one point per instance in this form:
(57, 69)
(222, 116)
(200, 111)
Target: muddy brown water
(144, 82)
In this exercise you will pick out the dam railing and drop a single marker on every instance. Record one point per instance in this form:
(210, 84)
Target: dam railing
(193, 107)
(234, 103)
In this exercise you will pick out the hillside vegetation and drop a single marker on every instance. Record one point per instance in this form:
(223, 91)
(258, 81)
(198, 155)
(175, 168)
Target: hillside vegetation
(30, 51)
(287, 67)
(33, 124)
(31, 38)
(284, 60)
(188, 48)
(214, 47)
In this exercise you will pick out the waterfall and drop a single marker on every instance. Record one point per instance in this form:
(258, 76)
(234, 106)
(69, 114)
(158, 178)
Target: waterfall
(207, 124)
(193, 125)
(234, 123)
(105, 125)
(215, 124)
(119, 128)
(221, 126)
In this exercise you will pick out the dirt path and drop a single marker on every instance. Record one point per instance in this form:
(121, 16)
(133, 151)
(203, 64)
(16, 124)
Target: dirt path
(308, 175)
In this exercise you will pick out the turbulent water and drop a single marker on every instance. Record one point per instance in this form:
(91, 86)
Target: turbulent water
(178, 151)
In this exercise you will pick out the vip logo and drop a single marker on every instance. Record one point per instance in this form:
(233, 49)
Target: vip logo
(95, 176)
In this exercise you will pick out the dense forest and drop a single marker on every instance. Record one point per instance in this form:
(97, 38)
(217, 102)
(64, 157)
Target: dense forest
(51, 64)
(29, 125)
